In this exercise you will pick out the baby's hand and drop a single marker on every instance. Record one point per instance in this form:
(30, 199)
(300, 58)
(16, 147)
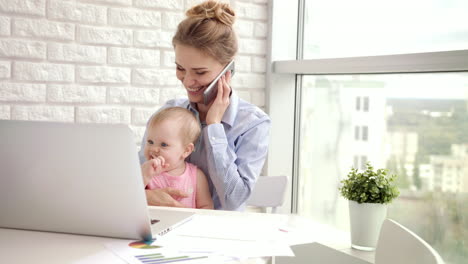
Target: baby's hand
(159, 164)
(153, 167)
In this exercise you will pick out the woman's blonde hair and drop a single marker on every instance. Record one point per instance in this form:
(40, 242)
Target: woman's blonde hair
(190, 127)
(209, 28)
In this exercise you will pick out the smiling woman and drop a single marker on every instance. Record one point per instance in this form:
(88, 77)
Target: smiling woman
(195, 70)
(235, 134)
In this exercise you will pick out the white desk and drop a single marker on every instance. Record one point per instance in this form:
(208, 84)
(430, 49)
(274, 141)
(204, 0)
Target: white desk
(20, 246)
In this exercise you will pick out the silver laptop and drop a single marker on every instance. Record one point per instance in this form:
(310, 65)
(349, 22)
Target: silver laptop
(76, 178)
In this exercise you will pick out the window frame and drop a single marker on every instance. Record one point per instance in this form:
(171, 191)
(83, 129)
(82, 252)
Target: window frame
(284, 80)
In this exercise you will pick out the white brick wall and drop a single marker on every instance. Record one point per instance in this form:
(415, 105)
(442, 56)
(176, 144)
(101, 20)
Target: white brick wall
(108, 61)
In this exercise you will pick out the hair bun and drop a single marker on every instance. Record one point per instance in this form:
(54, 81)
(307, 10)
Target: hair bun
(215, 10)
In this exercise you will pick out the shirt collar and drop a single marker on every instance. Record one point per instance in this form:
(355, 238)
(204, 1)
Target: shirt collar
(231, 112)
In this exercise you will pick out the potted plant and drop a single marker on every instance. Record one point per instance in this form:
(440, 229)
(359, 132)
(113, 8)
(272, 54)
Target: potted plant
(369, 193)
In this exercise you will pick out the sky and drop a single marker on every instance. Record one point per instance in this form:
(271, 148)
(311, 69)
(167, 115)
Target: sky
(428, 85)
(340, 28)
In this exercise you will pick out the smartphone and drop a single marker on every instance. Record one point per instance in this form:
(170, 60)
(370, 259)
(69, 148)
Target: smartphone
(210, 93)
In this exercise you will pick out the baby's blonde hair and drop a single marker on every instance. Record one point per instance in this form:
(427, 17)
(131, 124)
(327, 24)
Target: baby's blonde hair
(190, 127)
(208, 27)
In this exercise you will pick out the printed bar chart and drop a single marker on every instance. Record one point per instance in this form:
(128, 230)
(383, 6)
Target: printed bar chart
(158, 258)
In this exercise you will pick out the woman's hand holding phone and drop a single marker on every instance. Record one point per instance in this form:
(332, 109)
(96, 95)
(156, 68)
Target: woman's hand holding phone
(221, 102)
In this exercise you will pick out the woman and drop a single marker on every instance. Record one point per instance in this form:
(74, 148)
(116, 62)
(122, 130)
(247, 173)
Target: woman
(234, 141)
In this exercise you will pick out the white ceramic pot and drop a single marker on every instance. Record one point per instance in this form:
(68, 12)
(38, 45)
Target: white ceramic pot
(365, 221)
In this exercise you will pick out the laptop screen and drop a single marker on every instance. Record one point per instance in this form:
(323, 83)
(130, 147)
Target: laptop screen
(72, 178)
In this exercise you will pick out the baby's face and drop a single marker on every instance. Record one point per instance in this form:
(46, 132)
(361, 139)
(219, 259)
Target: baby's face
(163, 139)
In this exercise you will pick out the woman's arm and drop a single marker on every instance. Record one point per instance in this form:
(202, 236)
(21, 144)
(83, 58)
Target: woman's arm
(203, 198)
(165, 197)
(234, 169)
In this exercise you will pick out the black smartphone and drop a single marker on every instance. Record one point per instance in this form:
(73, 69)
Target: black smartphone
(210, 93)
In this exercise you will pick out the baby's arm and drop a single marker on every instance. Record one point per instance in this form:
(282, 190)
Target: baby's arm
(203, 198)
(152, 167)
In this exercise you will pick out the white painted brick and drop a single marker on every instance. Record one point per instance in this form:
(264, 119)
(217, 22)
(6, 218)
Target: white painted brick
(103, 74)
(168, 4)
(5, 112)
(158, 77)
(132, 17)
(190, 3)
(172, 93)
(243, 64)
(5, 26)
(131, 56)
(259, 64)
(5, 69)
(130, 35)
(244, 95)
(138, 131)
(43, 113)
(22, 92)
(244, 28)
(105, 114)
(168, 58)
(76, 12)
(110, 2)
(261, 30)
(28, 7)
(72, 93)
(140, 116)
(171, 20)
(22, 49)
(253, 46)
(113, 36)
(251, 11)
(133, 95)
(76, 53)
(28, 71)
(258, 98)
(247, 80)
(43, 29)
(153, 39)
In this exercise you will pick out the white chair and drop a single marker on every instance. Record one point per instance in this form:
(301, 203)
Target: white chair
(268, 192)
(397, 244)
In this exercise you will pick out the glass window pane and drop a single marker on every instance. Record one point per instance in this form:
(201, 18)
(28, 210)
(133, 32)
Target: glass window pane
(417, 126)
(364, 133)
(336, 28)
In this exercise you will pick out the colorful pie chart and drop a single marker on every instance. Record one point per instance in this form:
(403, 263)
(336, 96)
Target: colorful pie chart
(143, 244)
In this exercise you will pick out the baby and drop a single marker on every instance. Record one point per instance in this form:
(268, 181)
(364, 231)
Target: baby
(170, 138)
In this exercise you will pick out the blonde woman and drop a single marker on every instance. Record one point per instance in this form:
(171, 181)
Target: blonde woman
(234, 140)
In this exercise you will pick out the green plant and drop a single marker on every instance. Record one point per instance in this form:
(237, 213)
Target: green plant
(369, 186)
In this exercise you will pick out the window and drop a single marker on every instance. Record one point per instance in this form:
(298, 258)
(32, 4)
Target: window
(361, 133)
(337, 28)
(365, 133)
(366, 104)
(415, 131)
(358, 103)
(360, 71)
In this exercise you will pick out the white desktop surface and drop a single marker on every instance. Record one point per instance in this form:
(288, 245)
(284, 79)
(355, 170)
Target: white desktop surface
(22, 246)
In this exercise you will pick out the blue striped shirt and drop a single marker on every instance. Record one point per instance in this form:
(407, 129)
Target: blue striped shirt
(231, 154)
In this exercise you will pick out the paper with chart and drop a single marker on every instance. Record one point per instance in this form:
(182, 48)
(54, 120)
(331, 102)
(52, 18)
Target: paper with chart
(209, 239)
(154, 252)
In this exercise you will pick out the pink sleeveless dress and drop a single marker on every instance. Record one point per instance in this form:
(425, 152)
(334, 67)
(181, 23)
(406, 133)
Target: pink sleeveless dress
(186, 182)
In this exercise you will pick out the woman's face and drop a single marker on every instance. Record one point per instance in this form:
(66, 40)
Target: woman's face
(195, 70)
